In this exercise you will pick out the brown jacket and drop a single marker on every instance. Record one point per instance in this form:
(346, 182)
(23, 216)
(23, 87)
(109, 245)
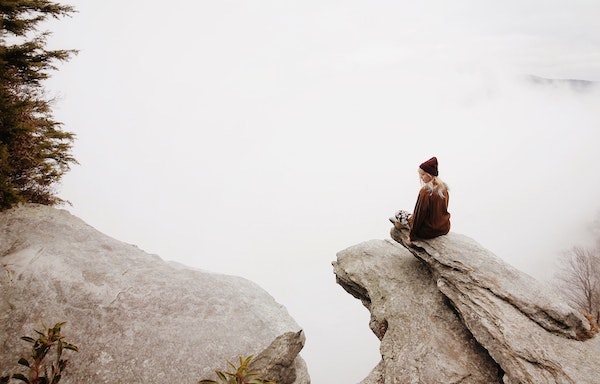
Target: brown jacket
(430, 217)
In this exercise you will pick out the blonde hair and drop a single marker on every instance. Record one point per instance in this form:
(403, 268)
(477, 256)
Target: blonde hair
(435, 184)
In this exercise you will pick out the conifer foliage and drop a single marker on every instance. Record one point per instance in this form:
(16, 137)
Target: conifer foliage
(35, 151)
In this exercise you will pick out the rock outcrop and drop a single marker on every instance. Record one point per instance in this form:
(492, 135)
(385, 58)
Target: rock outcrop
(422, 338)
(134, 317)
(449, 311)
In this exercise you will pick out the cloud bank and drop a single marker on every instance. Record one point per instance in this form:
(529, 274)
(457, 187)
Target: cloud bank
(260, 138)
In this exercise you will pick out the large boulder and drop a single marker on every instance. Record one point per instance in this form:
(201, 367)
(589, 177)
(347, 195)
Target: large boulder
(528, 330)
(449, 311)
(134, 317)
(422, 338)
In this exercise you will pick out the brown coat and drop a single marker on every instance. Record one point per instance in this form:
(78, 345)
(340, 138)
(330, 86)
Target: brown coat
(430, 217)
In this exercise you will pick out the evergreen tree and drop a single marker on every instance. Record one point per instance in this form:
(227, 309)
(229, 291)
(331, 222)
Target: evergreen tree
(34, 150)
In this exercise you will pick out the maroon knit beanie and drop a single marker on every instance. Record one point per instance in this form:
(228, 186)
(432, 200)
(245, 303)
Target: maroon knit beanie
(430, 166)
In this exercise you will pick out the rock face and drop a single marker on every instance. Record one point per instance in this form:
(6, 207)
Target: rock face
(422, 338)
(456, 313)
(134, 317)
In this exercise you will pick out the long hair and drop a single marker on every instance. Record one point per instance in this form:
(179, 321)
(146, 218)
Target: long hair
(435, 185)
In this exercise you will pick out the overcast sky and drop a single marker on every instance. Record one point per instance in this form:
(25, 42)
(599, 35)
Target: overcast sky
(259, 138)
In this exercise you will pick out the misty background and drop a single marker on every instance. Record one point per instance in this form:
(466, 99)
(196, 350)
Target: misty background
(259, 138)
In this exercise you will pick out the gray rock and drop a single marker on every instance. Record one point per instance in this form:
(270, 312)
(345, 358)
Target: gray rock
(532, 335)
(134, 317)
(278, 357)
(422, 338)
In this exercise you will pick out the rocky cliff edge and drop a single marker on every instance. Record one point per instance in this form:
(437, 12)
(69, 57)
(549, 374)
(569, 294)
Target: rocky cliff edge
(449, 311)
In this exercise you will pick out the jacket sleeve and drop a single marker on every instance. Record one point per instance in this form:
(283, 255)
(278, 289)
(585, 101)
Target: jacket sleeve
(420, 213)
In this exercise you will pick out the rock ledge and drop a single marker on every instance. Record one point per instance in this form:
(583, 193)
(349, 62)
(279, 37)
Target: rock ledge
(449, 311)
(134, 317)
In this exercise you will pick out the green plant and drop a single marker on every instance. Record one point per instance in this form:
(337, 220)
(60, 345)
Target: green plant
(38, 370)
(240, 376)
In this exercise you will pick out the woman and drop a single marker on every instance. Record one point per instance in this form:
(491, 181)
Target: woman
(430, 217)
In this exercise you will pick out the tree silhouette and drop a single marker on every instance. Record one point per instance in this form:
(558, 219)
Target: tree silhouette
(579, 278)
(34, 150)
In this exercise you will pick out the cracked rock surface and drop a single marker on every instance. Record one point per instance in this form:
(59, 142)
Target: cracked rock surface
(422, 338)
(528, 330)
(449, 311)
(134, 317)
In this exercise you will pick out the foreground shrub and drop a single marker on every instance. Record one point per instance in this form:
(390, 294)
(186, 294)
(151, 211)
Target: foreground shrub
(241, 374)
(38, 370)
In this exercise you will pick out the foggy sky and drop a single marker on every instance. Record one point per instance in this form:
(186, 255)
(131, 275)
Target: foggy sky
(259, 138)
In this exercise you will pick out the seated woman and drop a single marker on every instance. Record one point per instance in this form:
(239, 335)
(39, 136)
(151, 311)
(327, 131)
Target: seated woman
(430, 217)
